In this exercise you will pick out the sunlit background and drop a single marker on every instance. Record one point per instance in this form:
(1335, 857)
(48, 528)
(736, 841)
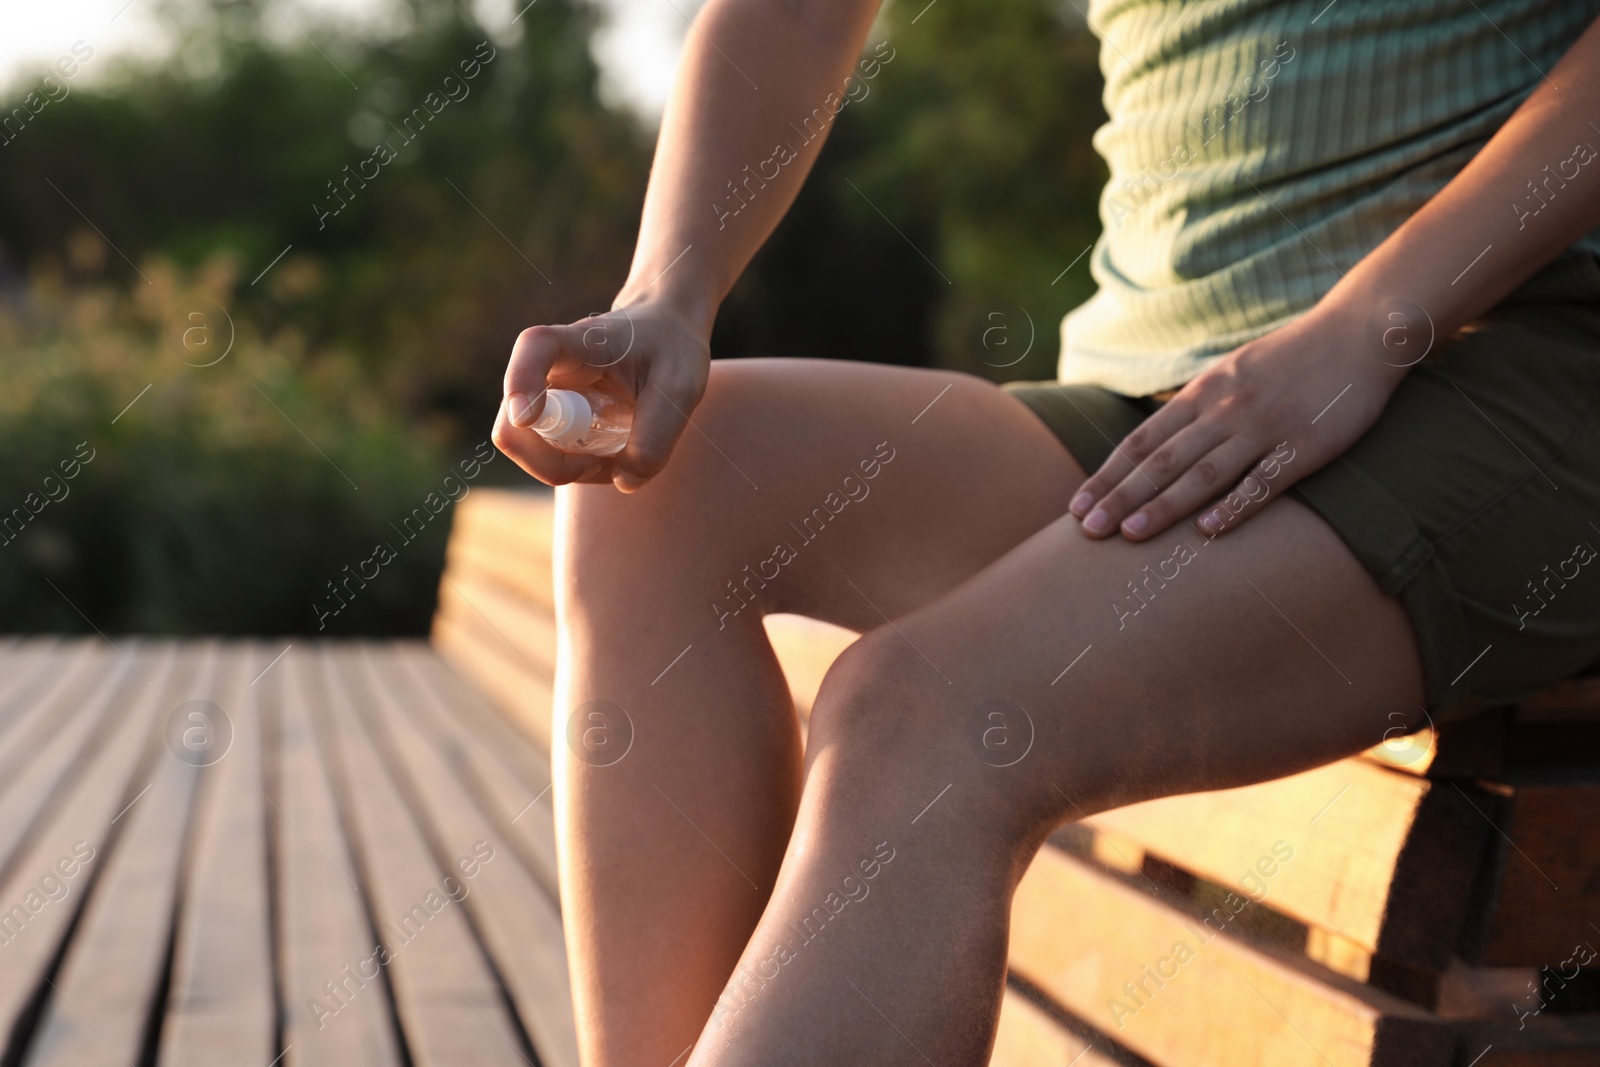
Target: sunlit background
(254, 379)
(635, 44)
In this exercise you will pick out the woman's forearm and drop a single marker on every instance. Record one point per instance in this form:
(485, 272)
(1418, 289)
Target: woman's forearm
(736, 142)
(1531, 192)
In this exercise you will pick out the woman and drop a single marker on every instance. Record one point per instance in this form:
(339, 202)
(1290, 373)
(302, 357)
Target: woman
(1324, 460)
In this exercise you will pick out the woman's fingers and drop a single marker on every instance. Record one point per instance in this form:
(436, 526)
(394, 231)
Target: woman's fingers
(659, 418)
(536, 456)
(1269, 476)
(539, 352)
(1201, 482)
(1162, 466)
(1125, 459)
(657, 358)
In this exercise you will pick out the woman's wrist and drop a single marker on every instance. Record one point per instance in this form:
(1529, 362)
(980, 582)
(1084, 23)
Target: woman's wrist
(1382, 336)
(695, 306)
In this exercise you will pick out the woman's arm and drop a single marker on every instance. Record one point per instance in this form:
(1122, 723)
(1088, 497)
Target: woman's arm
(1531, 192)
(751, 76)
(1523, 199)
(718, 131)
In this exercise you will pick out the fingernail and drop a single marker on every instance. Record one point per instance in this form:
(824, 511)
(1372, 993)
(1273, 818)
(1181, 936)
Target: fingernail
(520, 408)
(627, 482)
(1212, 523)
(1080, 504)
(1134, 524)
(1098, 521)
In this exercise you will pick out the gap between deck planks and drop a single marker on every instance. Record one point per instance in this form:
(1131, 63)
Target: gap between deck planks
(224, 912)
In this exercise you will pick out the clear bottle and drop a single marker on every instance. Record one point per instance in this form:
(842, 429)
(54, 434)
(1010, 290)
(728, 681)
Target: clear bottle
(591, 421)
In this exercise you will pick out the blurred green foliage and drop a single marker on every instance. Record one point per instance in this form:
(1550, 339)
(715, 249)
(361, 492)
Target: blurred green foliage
(371, 352)
(221, 499)
(974, 143)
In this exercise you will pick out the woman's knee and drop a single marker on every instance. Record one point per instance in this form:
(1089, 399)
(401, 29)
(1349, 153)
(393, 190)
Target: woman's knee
(687, 524)
(891, 734)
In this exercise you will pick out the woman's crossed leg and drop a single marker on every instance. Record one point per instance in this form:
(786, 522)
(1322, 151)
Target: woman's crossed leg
(1012, 675)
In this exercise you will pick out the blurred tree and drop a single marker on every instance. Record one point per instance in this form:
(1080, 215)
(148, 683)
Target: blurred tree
(935, 230)
(974, 142)
(515, 204)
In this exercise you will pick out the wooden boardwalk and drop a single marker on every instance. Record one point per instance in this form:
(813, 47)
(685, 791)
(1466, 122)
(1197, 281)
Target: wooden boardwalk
(211, 854)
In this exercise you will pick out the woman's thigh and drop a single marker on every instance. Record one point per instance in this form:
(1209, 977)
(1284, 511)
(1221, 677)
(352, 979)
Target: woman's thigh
(1071, 675)
(845, 491)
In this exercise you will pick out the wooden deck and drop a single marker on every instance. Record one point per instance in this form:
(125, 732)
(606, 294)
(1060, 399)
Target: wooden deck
(346, 858)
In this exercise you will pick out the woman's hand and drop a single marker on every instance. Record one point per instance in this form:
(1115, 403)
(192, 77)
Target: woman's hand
(1272, 411)
(646, 351)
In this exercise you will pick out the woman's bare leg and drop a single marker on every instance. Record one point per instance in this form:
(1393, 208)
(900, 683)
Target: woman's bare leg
(1259, 654)
(669, 854)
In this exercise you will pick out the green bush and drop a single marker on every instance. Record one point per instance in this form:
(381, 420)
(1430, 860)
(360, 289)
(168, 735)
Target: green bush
(224, 499)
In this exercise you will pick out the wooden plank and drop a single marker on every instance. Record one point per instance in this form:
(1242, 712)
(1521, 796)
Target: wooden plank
(1028, 1037)
(1486, 993)
(526, 574)
(514, 521)
(57, 871)
(449, 1001)
(58, 734)
(507, 777)
(103, 995)
(1384, 859)
(220, 1008)
(40, 710)
(1573, 700)
(1093, 943)
(1548, 891)
(511, 910)
(500, 617)
(24, 668)
(457, 697)
(333, 1016)
(521, 695)
(1547, 1041)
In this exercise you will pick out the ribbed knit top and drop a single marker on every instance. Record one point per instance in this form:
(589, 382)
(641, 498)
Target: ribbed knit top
(1259, 148)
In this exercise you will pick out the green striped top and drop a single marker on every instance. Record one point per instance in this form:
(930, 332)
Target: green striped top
(1259, 148)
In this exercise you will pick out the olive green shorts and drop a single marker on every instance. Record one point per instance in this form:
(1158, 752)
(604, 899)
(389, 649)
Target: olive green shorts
(1474, 499)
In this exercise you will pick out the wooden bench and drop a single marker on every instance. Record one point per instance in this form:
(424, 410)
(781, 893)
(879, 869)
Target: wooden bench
(1392, 908)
